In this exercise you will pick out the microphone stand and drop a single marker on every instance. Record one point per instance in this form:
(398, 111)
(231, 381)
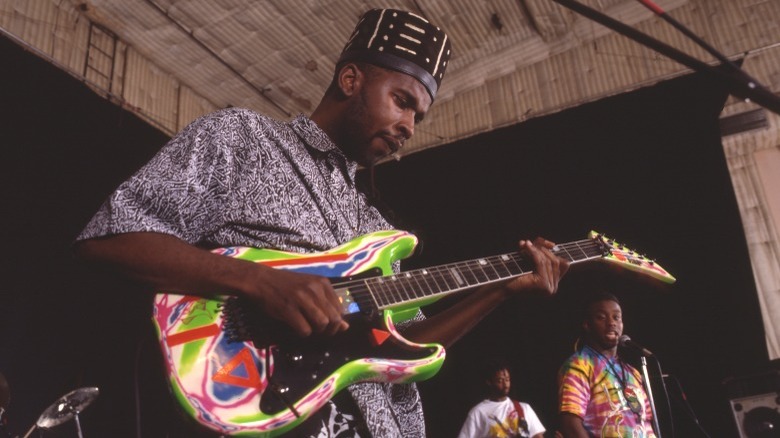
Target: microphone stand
(738, 82)
(649, 390)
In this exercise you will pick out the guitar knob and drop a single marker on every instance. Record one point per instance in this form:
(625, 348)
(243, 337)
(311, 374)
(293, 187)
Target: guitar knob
(325, 356)
(295, 358)
(280, 389)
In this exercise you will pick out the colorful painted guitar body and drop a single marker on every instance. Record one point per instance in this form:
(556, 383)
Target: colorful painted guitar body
(242, 374)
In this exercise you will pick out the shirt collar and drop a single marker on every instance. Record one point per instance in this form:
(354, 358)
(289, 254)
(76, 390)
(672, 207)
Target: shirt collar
(598, 354)
(314, 137)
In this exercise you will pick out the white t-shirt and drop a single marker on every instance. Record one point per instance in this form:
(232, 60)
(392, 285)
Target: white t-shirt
(491, 419)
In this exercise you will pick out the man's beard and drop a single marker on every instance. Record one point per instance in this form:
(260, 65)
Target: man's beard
(355, 142)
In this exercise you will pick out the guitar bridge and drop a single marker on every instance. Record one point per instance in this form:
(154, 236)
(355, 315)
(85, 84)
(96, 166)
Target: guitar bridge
(234, 319)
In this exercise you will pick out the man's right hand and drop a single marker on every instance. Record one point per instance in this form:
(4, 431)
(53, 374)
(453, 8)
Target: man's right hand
(307, 303)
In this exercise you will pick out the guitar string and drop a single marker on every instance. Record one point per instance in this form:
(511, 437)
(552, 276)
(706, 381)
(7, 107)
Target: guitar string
(588, 249)
(472, 267)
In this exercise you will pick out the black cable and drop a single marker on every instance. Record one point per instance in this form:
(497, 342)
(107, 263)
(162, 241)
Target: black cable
(137, 385)
(689, 410)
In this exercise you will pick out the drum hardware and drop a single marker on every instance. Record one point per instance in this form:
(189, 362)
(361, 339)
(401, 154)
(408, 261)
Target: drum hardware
(66, 407)
(5, 400)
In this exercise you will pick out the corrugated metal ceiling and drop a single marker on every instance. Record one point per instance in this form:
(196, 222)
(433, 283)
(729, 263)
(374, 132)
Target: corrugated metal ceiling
(171, 60)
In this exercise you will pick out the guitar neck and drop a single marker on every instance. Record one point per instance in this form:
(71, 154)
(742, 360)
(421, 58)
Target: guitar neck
(423, 284)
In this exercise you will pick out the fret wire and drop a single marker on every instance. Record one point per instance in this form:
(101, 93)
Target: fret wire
(425, 277)
(512, 264)
(379, 291)
(588, 248)
(490, 269)
(399, 289)
(466, 274)
(579, 242)
(409, 289)
(440, 276)
(392, 288)
(435, 277)
(430, 282)
(471, 273)
(585, 251)
(569, 256)
(392, 285)
(389, 288)
(421, 287)
(403, 286)
(362, 296)
(479, 274)
(478, 271)
(382, 292)
(593, 248)
(579, 251)
(500, 266)
(389, 285)
(446, 278)
(371, 286)
(485, 271)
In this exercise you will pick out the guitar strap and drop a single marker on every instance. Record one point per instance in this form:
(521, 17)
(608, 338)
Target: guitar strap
(522, 424)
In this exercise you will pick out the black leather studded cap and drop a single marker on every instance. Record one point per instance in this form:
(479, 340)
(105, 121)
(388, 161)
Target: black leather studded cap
(400, 41)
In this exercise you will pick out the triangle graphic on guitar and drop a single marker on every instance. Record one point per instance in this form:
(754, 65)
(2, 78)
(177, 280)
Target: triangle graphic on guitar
(229, 373)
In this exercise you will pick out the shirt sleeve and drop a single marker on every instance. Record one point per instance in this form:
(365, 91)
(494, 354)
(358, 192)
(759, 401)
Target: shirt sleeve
(182, 190)
(574, 388)
(470, 427)
(535, 426)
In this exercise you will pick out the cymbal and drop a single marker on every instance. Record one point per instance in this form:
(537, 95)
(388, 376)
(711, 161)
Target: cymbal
(5, 392)
(67, 407)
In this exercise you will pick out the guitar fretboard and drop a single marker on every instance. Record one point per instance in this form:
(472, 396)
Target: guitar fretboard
(393, 290)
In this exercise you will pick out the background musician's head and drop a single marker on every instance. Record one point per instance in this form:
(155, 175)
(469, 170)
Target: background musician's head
(602, 324)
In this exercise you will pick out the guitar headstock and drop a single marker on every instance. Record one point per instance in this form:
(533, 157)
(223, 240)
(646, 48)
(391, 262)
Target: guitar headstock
(619, 254)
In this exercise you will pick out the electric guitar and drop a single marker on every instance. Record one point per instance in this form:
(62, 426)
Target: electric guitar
(238, 373)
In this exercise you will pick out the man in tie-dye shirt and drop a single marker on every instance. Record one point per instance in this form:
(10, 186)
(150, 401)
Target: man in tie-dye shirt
(599, 394)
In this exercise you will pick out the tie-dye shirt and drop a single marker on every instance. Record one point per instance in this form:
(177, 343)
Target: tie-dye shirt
(590, 387)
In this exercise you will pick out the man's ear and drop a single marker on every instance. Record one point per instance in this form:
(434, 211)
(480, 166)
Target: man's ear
(349, 79)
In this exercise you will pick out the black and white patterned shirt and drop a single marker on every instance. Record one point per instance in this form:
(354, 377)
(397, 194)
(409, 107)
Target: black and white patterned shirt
(235, 177)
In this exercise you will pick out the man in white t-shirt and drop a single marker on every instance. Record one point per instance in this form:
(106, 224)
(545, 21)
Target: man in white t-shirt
(499, 416)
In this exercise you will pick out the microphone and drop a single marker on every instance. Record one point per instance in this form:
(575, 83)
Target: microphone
(626, 342)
